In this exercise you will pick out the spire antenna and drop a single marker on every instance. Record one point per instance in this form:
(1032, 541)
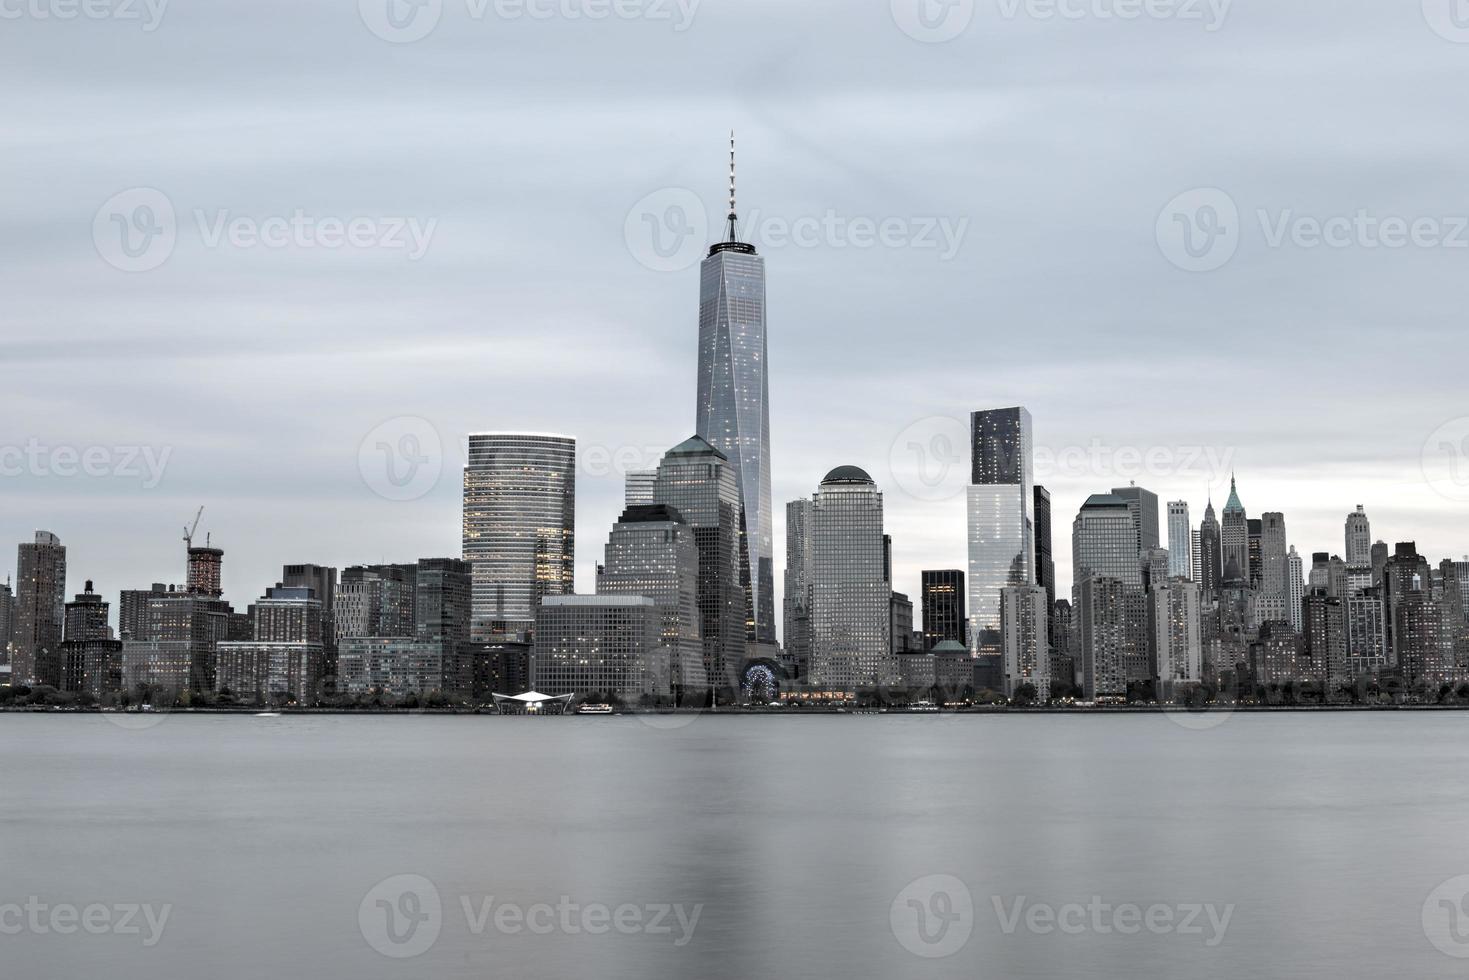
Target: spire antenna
(733, 214)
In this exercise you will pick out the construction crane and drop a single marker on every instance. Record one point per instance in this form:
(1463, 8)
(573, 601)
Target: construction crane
(189, 531)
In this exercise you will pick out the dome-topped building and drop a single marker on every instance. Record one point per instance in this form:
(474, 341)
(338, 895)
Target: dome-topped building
(848, 474)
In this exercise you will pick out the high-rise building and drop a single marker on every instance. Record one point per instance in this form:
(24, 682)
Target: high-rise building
(1257, 553)
(519, 526)
(638, 488)
(1101, 627)
(733, 409)
(1295, 588)
(1143, 505)
(443, 599)
(377, 601)
(176, 646)
(40, 611)
(1359, 539)
(322, 581)
(1001, 526)
(1274, 561)
(1104, 545)
(205, 567)
(1234, 540)
(1180, 541)
(7, 621)
(1045, 563)
(86, 617)
(1406, 572)
(1326, 640)
(1025, 627)
(900, 625)
(1367, 631)
(697, 480)
(652, 552)
(850, 594)
(1418, 636)
(943, 607)
(602, 645)
(91, 659)
(1211, 552)
(1175, 625)
(797, 601)
(283, 662)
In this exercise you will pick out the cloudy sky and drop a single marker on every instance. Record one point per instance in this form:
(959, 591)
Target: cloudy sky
(247, 243)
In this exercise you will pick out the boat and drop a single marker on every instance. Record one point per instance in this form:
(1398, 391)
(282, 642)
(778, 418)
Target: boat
(594, 709)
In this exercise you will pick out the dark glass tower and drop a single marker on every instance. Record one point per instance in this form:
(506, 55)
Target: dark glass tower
(943, 607)
(1001, 498)
(733, 411)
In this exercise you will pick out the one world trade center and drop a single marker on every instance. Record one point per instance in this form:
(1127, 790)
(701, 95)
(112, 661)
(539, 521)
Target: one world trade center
(734, 399)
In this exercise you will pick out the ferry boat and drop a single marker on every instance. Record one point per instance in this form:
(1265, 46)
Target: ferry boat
(594, 709)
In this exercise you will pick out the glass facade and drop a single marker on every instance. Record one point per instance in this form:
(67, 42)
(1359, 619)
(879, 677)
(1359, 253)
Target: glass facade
(943, 607)
(797, 618)
(734, 407)
(1000, 518)
(1180, 541)
(597, 645)
(698, 481)
(850, 593)
(651, 552)
(519, 527)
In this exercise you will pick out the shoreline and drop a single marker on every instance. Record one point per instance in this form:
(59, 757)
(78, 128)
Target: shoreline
(754, 712)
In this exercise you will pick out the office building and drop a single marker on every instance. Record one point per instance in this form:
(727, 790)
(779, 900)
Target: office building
(733, 408)
(1180, 541)
(40, 611)
(851, 595)
(797, 600)
(1025, 627)
(943, 607)
(1001, 525)
(599, 647)
(519, 527)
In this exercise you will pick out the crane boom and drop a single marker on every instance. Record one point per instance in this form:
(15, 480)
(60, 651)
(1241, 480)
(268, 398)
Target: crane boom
(189, 531)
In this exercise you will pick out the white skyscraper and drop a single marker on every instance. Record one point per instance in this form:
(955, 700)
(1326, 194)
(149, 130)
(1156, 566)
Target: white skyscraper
(1180, 540)
(1296, 588)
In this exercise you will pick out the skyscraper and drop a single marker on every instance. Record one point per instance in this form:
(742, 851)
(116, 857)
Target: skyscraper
(1234, 539)
(1143, 505)
(1024, 626)
(698, 481)
(638, 487)
(1001, 526)
(1275, 592)
(1359, 539)
(797, 602)
(205, 564)
(1104, 547)
(733, 409)
(40, 611)
(1045, 563)
(850, 594)
(652, 552)
(1180, 540)
(1211, 552)
(1296, 588)
(943, 607)
(519, 526)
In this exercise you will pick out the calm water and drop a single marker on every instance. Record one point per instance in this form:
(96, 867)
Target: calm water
(792, 847)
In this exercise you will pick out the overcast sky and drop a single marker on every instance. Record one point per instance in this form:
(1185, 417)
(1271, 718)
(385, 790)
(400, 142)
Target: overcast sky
(978, 208)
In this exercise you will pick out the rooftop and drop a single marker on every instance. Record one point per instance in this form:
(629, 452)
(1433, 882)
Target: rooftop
(848, 474)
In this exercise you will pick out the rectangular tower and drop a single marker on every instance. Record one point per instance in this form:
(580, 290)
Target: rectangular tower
(1001, 523)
